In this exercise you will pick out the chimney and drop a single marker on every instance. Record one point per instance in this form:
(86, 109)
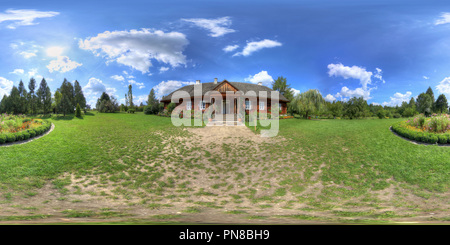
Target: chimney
(260, 83)
(215, 80)
(197, 82)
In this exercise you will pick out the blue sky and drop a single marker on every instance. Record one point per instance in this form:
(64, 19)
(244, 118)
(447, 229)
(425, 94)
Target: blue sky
(386, 51)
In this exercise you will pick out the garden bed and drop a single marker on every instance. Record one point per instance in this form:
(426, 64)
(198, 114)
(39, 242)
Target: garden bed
(14, 128)
(431, 130)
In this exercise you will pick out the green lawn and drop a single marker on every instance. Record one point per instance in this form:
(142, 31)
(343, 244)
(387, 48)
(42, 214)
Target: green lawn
(339, 168)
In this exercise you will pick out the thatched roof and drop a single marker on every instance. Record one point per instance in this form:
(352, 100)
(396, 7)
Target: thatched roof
(244, 87)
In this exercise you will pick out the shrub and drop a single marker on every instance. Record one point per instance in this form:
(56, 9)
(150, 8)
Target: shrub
(3, 138)
(10, 138)
(78, 111)
(32, 133)
(26, 135)
(442, 139)
(131, 111)
(438, 124)
(19, 136)
(381, 114)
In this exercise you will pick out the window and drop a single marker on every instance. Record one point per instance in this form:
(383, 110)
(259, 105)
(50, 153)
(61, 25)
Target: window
(261, 105)
(279, 105)
(202, 105)
(189, 105)
(248, 105)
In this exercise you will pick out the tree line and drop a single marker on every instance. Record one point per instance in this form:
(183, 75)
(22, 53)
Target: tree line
(311, 103)
(39, 100)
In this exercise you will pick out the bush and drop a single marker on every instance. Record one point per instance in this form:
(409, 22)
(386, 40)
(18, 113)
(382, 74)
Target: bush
(26, 135)
(19, 136)
(10, 138)
(32, 133)
(3, 138)
(131, 111)
(78, 111)
(442, 139)
(381, 114)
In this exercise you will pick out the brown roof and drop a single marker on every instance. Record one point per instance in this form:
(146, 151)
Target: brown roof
(244, 87)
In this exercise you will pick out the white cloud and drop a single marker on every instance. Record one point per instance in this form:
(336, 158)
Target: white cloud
(136, 48)
(24, 17)
(32, 72)
(18, 71)
(356, 72)
(398, 99)
(118, 78)
(262, 77)
(252, 47)
(295, 91)
(28, 54)
(378, 74)
(230, 48)
(163, 69)
(445, 18)
(62, 64)
(444, 86)
(165, 88)
(330, 98)
(140, 85)
(5, 86)
(218, 27)
(358, 92)
(94, 89)
(426, 78)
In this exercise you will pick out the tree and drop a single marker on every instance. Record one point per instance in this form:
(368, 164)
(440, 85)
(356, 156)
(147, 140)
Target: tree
(309, 102)
(424, 104)
(78, 111)
(355, 108)
(4, 104)
(57, 101)
(281, 86)
(335, 108)
(66, 105)
(430, 92)
(152, 103)
(441, 104)
(44, 97)
(106, 103)
(78, 95)
(130, 96)
(32, 95)
(13, 101)
(23, 98)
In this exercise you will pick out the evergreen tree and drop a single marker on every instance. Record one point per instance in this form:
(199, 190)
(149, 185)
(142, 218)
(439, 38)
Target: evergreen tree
(441, 104)
(44, 97)
(130, 96)
(4, 104)
(67, 98)
(78, 111)
(281, 86)
(23, 107)
(14, 101)
(152, 103)
(424, 104)
(57, 101)
(431, 94)
(78, 95)
(32, 96)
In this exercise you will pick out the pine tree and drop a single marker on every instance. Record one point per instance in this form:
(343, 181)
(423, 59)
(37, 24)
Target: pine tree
(32, 96)
(78, 111)
(23, 98)
(130, 96)
(67, 97)
(78, 95)
(44, 97)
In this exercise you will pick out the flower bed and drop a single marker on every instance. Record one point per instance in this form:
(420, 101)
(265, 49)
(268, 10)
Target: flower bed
(435, 129)
(16, 128)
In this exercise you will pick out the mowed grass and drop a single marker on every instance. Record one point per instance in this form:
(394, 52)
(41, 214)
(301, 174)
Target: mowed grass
(76, 145)
(366, 154)
(320, 165)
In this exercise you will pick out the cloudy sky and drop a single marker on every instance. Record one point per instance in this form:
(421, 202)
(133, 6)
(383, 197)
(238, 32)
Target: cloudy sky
(385, 51)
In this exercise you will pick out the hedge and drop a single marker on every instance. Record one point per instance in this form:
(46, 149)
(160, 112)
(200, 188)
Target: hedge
(27, 134)
(424, 137)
